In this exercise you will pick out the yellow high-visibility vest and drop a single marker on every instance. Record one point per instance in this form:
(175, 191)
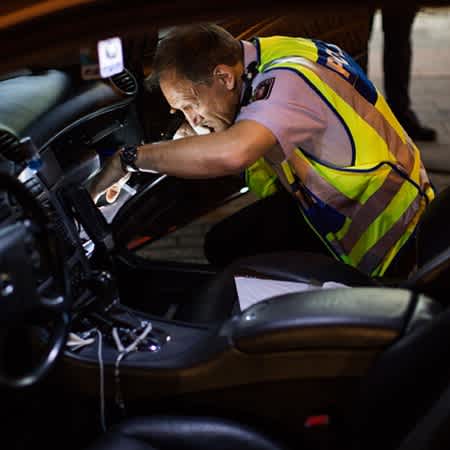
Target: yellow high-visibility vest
(261, 179)
(365, 211)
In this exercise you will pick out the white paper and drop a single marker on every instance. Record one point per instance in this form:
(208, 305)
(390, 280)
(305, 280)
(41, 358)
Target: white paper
(180, 133)
(253, 290)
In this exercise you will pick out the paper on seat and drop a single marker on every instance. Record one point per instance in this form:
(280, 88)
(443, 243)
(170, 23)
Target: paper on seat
(252, 290)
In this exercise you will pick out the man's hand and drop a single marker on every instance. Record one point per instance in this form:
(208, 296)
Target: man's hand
(110, 179)
(186, 130)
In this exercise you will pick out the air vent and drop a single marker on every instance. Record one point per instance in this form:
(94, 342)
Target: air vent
(9, 145)
(125, 83)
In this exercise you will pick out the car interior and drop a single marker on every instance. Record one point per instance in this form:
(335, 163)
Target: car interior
(104, 349)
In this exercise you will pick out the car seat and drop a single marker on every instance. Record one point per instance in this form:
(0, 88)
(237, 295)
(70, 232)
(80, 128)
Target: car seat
(217, 300)
(183, 433)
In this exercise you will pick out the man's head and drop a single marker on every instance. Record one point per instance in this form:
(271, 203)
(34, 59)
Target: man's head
(199, 70)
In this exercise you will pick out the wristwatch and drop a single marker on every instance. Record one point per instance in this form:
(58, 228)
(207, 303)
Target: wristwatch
(128, 155)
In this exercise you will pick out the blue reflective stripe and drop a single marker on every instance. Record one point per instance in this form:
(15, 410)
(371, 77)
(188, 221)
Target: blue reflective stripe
(325, 218)
(327, 244)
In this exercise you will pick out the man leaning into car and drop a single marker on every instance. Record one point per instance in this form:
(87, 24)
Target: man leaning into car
(290, 112)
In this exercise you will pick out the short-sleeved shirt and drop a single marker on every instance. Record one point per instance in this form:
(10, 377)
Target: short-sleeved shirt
(295, 114)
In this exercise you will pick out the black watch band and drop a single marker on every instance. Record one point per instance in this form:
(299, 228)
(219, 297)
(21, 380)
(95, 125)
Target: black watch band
(128, 155)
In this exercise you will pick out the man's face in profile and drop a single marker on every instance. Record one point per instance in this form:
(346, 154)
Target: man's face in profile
(211, 105)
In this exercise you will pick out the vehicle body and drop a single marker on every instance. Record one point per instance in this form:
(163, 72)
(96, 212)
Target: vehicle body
(76, 268)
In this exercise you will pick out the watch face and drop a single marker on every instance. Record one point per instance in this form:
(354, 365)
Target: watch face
(128, 156)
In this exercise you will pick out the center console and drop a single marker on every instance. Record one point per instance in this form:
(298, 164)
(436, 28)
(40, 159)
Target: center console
(304, 349)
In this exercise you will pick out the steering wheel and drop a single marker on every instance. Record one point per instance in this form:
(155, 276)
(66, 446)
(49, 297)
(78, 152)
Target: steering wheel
(25, 246)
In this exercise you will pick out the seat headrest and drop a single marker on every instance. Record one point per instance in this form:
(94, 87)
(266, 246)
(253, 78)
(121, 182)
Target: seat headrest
(23, 99)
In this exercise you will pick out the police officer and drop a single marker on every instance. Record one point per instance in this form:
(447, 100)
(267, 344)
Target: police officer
(296, 113)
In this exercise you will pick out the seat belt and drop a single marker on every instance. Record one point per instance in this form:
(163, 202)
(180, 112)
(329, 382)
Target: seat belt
(421, 437)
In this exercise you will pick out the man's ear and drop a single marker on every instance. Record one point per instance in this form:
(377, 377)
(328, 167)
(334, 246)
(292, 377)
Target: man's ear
(225, 75)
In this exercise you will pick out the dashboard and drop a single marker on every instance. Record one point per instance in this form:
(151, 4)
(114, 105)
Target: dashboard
(72, 124)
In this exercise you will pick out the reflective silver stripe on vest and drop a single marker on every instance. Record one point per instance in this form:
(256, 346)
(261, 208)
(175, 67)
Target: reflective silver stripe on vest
(374, 257)
(323, 189)
(403, 152)
(287, 59)
(365, 214)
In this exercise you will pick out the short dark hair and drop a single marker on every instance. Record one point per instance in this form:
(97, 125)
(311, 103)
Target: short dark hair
(193, 51)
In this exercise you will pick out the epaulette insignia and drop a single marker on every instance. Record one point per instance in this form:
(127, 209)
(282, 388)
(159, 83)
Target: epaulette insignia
(263, 90)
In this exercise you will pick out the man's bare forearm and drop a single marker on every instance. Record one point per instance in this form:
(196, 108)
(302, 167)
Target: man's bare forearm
(190, 157)
(216, 154)
(213, 155)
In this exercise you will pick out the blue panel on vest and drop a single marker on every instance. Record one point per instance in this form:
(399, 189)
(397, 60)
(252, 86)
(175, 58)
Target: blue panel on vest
(335, 59)
(324, 217)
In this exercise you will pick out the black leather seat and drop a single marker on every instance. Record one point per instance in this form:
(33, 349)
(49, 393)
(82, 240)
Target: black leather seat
(433, 251)
(183, 433)
(218, 299)
(433, 234)
(402, 386)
